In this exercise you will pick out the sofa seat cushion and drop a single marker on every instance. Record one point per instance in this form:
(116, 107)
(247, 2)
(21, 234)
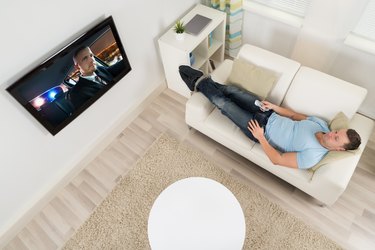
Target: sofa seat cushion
(223, 126)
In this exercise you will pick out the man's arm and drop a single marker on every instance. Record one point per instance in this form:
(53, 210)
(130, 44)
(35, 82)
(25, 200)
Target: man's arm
(284, 111)
(284, 159)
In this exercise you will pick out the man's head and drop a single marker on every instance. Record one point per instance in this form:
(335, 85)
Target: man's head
(84, 61)
(343, 139)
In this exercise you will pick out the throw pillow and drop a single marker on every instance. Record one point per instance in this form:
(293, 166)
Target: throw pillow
(253, 78)
(340, 121)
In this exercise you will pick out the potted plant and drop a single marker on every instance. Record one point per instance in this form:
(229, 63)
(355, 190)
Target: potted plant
(179, 28)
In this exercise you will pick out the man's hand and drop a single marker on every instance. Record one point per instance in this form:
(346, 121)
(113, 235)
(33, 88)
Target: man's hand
(254, 127)
(269, 105)
(284, 111)
(284, 159)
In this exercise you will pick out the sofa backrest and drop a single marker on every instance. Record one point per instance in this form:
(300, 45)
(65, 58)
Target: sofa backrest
(284, 67)
(315, 93)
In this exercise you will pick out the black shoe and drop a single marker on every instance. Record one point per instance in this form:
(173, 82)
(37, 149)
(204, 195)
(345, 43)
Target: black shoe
(189, 75)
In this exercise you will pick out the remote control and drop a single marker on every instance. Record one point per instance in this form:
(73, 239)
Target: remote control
(260, 105)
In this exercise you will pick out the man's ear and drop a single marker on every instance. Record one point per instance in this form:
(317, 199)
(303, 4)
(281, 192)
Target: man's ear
(76, 66)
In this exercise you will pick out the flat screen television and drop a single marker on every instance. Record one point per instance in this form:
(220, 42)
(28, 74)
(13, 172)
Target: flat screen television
(59, 89)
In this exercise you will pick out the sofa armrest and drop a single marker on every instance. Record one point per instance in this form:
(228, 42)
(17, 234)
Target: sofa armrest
(221, 73)
(331, 180)
(335, 176)
(198, 107)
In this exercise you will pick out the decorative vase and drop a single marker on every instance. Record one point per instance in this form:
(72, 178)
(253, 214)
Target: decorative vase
(180, 36)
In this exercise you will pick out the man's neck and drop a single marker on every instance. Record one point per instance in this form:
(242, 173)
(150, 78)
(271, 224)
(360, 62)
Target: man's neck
(92, 74)
(319, 137)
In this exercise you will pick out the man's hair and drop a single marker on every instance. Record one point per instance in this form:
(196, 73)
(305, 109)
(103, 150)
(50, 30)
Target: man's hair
(354, 140)
(78, 50)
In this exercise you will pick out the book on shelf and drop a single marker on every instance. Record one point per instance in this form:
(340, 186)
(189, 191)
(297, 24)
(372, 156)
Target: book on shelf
(192, 58)
(212, 64)
(210, 40)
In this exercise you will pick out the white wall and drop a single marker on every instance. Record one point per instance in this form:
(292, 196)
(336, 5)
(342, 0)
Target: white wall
(319, 43)
(31, 160)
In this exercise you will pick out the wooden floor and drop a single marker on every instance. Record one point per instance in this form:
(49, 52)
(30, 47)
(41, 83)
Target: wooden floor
(350, 221)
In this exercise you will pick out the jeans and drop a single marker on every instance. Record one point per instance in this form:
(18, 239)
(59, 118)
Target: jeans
(235, 103)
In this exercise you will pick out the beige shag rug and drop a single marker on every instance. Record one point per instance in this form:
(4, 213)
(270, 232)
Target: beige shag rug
(120, 222)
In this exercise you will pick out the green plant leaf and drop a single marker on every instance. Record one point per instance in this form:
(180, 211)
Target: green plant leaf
(179, 27)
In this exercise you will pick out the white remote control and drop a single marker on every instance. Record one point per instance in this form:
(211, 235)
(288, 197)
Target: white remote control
(260, 105)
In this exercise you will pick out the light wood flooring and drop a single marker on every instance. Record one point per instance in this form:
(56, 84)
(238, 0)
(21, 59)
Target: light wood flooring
(350, 221)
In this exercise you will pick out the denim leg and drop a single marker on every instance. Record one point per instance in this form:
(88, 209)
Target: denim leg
(241, 97)
(239, 116)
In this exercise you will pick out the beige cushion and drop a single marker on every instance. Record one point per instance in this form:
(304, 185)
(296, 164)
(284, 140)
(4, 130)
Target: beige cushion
(253, 78)
(340, 121)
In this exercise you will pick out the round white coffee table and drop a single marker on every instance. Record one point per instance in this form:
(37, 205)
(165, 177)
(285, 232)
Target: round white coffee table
(196, 213)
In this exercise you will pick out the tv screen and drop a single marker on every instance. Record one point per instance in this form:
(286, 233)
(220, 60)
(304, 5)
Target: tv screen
(67, 83)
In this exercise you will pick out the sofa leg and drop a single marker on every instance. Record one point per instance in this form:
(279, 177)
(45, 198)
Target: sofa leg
(321, 204)
(315, 201)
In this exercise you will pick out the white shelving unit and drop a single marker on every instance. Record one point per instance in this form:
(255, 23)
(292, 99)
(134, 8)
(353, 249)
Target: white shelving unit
(175, 53)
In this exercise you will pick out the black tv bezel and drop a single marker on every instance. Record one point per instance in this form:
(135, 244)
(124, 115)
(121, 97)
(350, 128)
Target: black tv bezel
(66, 49)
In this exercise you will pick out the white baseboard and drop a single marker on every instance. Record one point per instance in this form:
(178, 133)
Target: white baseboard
(104, 140)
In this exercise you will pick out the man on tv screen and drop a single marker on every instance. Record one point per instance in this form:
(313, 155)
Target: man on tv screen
(93, 77)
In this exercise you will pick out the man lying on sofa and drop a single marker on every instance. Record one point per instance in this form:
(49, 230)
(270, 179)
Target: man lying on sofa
(288, 138)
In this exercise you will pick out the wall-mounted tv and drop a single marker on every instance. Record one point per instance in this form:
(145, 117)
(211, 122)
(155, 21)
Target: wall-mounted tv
(68, 82)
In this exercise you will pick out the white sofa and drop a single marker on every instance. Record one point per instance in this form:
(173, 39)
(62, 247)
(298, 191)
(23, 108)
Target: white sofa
(305, 90)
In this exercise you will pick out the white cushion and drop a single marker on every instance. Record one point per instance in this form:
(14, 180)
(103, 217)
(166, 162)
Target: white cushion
(315, 93)
(222, 125)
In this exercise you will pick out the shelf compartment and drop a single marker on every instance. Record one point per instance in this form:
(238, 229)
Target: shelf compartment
(214, 47)
(199, 61)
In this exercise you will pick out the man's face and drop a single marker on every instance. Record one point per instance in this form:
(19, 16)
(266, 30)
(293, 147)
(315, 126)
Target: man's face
(335, 140)
(85, 62)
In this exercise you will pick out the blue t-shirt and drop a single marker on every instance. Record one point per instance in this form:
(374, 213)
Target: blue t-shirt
(287, 135)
